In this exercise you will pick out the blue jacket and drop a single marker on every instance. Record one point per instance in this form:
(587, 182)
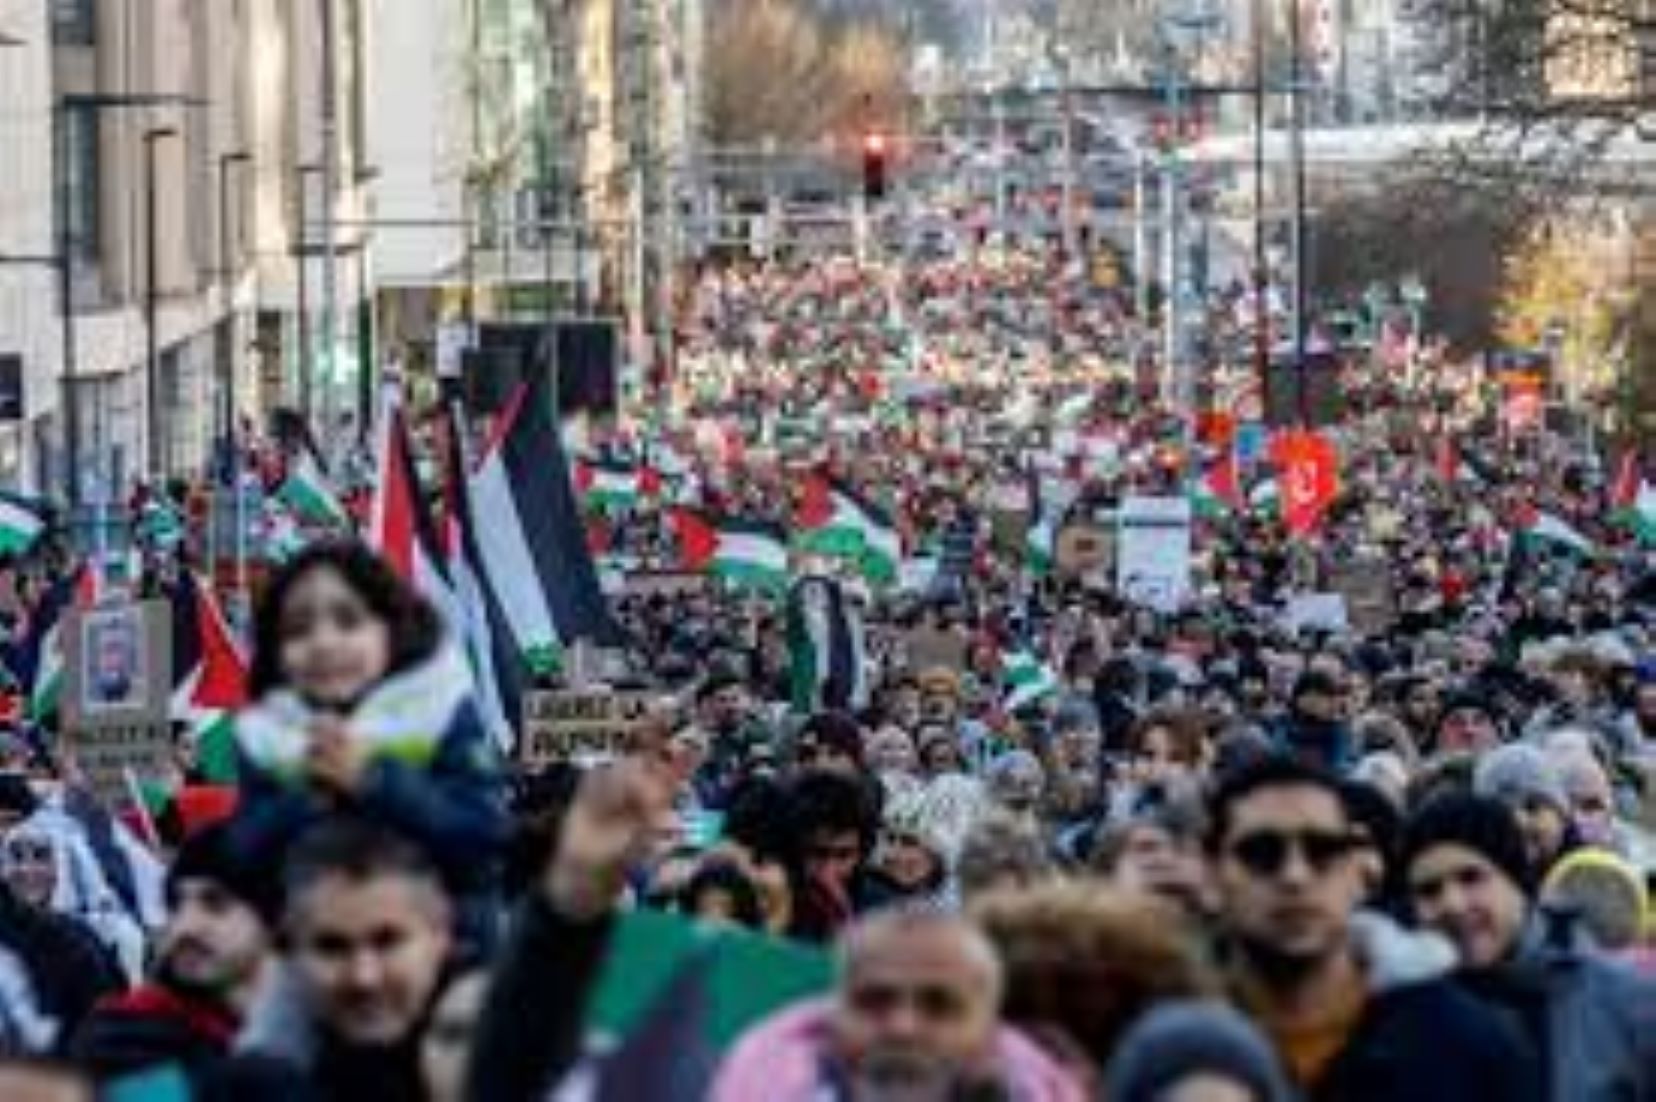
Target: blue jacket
(434, 773)
(1592, 1020)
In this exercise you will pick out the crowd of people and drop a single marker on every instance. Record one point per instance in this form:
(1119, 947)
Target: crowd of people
(1215, 851)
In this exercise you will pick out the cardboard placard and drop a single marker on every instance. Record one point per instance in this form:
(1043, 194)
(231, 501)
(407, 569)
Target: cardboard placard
(117, 692)
(584, 726)
(119, 665)
(929, 648)
(113, 758)
(1366, 585)
(665, 583)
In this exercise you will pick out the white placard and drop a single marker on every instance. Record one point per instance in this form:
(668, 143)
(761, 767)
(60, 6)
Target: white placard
(1153, 551)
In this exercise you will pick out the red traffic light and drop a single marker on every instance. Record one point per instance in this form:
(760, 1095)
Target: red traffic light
(874, 144)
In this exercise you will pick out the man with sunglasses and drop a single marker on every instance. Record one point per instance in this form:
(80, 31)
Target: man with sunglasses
(1357, 1009)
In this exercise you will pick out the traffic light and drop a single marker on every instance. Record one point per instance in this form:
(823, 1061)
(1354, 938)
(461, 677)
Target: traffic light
(874, 166)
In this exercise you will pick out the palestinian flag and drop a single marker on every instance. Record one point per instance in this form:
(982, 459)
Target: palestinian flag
(1026, 680)
(1219, 491)
(401, 528)
(744, 553)
(210, 677)
(308, 493)
(498, 666)
(1537, 526)
(827, 651)
(1633, 500)
(1265, 498)
(837, 522)
(20, 527)
(1040, 545)
(531, 544)
(41, 661)
(614, 486)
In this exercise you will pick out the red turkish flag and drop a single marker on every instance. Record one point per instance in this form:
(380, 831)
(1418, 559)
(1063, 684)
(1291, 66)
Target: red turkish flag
(1308, 474)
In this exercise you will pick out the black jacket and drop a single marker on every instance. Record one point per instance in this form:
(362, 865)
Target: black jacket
(339, 1073)
(1430, 1042)
(1421, 1036)
(68, 969)
(530, 1031)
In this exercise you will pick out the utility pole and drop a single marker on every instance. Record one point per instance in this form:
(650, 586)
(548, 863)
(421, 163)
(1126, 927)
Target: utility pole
(330, 189)
(1141, 237)
(156, 454)
(1296, 133)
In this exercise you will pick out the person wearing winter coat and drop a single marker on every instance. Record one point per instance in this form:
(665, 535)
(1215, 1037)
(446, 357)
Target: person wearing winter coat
(361, 708)
(1357, 1009)
(52, 972)
(211, 956)
(1590, 1019)
(916, 1014)
(1181, 1042)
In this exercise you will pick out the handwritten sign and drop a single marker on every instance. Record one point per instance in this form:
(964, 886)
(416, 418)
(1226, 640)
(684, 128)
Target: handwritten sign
(113, 758)
(583, 726)
(665, 583)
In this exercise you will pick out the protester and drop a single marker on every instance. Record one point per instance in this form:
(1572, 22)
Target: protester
(1193, 1050)
(210, 959)
(916, 1015)
(1354, 1008)
(368, 928)
(1470, 878)
(361, 708)
(532, 721)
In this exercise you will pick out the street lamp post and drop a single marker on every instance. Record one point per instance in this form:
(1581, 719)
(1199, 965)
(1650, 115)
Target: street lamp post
(156, 456)
(227, 263)
(89, 104)
(302, 258)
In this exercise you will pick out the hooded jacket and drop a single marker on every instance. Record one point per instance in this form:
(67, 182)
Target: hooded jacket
(1420, 1036)
(785, 1059)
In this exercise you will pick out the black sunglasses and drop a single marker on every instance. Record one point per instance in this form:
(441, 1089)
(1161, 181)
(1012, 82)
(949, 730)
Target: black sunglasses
(1265, 853)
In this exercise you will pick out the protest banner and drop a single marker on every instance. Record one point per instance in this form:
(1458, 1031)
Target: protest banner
(118, 692)
(1153, 551)
(583, 726)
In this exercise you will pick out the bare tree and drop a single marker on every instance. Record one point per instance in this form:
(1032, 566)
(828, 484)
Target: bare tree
(1563, 92)
(777, 69)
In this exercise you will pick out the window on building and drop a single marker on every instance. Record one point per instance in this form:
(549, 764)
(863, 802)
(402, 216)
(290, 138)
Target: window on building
(80, 143)
(74, 22)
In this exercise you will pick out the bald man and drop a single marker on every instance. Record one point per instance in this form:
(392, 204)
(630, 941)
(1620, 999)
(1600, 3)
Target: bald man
(916, 1014)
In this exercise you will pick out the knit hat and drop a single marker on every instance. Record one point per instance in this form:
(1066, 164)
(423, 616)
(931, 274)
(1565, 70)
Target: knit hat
(1607, 893)
(1517, 772)
(1480, 823)
(209, 855)
(1177, 1040)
